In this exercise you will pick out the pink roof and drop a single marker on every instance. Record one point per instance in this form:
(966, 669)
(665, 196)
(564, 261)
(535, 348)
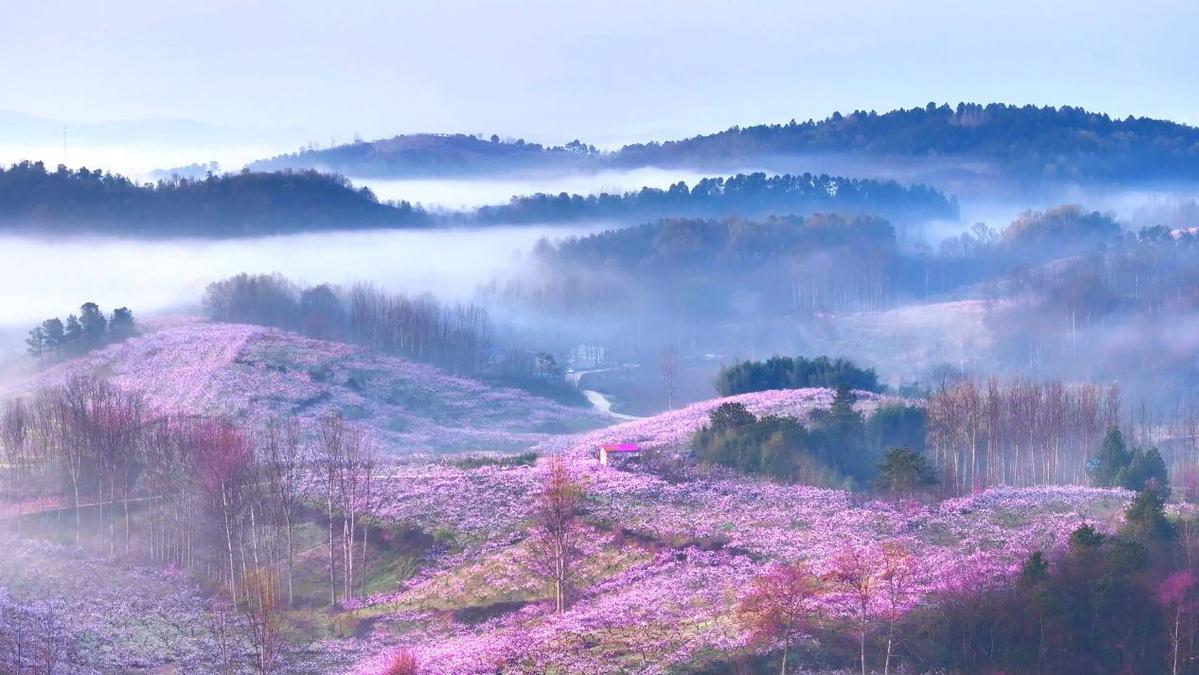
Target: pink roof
(621, 447)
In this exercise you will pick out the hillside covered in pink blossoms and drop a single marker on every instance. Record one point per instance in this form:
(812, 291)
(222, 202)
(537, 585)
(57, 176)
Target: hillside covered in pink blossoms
(666, 561)
(253, 375)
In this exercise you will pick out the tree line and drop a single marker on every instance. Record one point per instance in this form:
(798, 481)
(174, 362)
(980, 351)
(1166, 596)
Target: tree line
(33, 198)
(839, 447)
(88, 330)
(1017, 432)
(457, 337)
(1031, 143)
(784, 372)
(750, 195)
(722, 268)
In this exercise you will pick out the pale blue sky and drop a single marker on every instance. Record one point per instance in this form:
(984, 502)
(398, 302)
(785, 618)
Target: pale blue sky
(607, 72)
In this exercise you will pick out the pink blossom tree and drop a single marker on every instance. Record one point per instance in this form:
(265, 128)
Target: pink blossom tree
(1177, 595)
(779, 606)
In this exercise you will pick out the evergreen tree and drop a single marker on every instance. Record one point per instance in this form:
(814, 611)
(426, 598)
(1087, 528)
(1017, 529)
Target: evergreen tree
(95, 326)
(120, 326)
(72, 337)
(730, 416)
(52, 330)
(1113, 458)
(36, 342)
(1145, 466)
(904, 471)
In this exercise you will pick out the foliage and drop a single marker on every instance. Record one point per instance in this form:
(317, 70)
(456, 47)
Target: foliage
(780, 372)
(754, 194)
(243, 204)
(904, 471)
(833, 450)
(1030, 143)
(780, 606)
(90, 330)
(457, 337)
(1115, 465)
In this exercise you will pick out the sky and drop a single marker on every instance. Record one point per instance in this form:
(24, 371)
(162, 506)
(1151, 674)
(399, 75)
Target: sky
(605, 72)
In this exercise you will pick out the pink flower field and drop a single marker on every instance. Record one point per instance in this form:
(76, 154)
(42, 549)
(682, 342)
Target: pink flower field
(667, 561)
(674, 429)
(255, 374)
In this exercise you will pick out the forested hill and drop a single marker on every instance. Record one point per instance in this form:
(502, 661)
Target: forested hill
(433, 155)
(33, 199)
(754, 194)
(1024, 143)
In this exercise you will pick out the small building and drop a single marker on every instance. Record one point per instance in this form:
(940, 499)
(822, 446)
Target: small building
(612, 451)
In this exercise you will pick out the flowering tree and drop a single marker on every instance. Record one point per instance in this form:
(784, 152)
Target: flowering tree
(857, 575)
(1177, 594)
(556, 530)
(898, 567)
(224, 458)
(780, 606)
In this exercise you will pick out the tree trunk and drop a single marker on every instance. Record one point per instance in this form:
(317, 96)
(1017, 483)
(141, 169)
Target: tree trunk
(287, 522)
(229, 548)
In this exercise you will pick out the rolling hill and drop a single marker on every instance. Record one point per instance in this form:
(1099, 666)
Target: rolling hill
(255, 374)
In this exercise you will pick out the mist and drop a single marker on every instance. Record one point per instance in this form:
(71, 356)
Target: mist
(52, 277)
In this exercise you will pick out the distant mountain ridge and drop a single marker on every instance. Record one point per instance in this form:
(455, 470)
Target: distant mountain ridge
(433, 154)
(1028, 142)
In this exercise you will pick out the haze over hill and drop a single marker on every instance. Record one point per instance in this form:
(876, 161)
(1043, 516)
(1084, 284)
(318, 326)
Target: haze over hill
(658, 338)
(1024, 144)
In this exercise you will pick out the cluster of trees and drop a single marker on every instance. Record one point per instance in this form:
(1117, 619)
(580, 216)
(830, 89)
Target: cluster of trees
(784, 605)
(1017, 432)
(433, 155)
(716, 268)
(243, 204)
(785, 372)
(754, 194)
(195, 493)
(1121, 602)
(1031, 142)
(458, 337)
(840, 447)
(1117, 466)
(79, 334)
(1125, 602)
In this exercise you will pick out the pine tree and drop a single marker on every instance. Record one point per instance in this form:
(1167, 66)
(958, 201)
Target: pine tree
(1113, 459)
(52, 330)
(95, 326)
(72, 337)
(120, 326)
(36, 342)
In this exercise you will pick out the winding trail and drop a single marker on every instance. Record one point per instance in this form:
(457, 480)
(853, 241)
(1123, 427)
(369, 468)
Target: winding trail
(599, 401)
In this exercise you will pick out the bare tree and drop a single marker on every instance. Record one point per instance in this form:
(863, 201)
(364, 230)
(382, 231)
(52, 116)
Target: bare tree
(287, 475)
(262, 610)
(15, 429)
(669, 363)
